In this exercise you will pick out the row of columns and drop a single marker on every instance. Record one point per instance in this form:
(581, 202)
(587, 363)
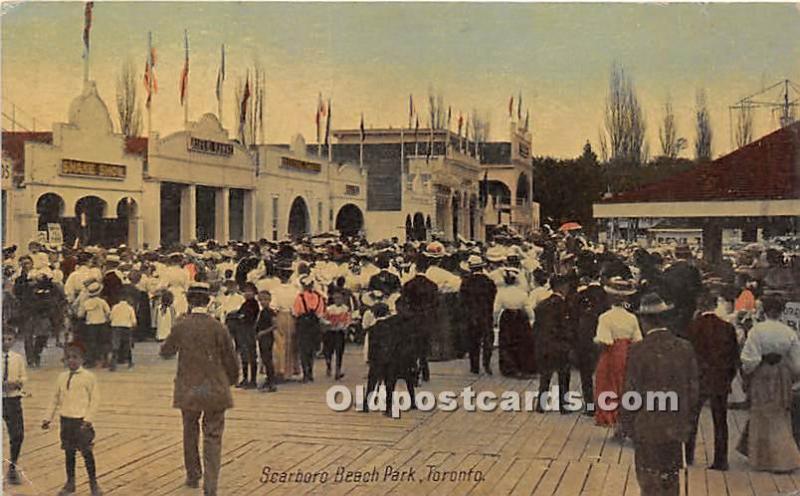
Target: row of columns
(188, 214)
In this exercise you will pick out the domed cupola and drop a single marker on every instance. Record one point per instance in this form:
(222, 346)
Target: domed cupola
(88, 112)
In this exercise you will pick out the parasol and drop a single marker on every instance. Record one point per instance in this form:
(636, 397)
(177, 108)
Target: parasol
(569, 226)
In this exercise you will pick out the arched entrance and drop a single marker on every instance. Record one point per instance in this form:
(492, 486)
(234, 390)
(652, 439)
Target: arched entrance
(50, 210)
(409, 229)
(349, 220)
(123, 229)
(299, 222)
(419, 231)
(90, 211)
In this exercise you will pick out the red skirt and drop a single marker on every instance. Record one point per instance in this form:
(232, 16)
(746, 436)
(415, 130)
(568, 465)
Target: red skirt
(610, 376)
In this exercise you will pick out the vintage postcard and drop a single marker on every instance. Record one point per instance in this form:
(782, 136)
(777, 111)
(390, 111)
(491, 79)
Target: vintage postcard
(400, 248)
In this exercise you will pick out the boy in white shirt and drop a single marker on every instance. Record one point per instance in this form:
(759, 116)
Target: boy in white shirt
(14, 376)
(123, 320)
(96, 312)
(76, 399)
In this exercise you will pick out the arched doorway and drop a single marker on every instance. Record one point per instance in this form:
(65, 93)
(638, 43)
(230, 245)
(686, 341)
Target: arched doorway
(349, 220)
(123, 229)
(91, 211)
(409, 229)
(418, 227)
(299, 221)
(50, 209)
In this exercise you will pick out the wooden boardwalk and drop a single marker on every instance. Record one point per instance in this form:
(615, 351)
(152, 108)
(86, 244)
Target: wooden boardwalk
(138, 448)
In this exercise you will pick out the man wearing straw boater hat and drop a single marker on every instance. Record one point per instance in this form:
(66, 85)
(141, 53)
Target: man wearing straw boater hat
(478, 292)
(664, 363)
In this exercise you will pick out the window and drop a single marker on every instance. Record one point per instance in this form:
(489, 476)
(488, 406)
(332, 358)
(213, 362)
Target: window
(274, 218)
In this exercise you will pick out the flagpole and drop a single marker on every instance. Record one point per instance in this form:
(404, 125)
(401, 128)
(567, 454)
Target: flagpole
(186, 90)
(221, 83)
(87, 24)
(149, 85)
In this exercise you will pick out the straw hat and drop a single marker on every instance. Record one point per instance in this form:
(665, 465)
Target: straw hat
(496, 254)
(653, 304)
(434, 249)
(94, 288)
(620, 287)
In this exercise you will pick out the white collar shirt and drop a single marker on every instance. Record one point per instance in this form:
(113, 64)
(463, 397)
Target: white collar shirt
(77, 395)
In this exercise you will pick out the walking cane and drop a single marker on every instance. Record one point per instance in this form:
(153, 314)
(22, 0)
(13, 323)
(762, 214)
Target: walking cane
(685, 471)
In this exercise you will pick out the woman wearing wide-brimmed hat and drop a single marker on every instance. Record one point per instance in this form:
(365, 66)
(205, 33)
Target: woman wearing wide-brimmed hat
(617, 329)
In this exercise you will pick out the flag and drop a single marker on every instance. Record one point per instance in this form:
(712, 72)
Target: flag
(150, 82)
(519, 107)
(87, 26)
(460, 124)
(243, 108)
(449, 109)
(527, 119)
(328, 125)
(185, 72)
(410, 108)
(361, 128)
(510, 106)
(320, 113)
(221, 73)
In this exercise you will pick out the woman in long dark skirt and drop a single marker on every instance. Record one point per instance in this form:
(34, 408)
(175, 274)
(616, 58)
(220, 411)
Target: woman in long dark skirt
(514, 315)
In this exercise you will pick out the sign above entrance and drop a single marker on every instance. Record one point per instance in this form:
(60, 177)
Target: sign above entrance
(352, 189)
(92, 169)
(293, 163)
(210, 147)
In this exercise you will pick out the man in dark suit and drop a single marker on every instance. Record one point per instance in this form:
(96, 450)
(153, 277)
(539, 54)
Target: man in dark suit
(553, 341)
(422, 297)
(715, 346)
(586, 305)
(660, 363)
(207, 367)
(682, 284)
(477, 297)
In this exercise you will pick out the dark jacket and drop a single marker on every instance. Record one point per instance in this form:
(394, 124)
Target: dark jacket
(586, 306)
(207, 364)
(661, 362)
(717, 353)
(478, 292)
(422, 295)
(552, 333)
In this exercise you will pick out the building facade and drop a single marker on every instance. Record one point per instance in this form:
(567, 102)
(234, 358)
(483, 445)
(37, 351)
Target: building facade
(508, 168)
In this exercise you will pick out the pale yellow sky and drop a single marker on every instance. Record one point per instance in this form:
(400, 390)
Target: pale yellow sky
(368, 57)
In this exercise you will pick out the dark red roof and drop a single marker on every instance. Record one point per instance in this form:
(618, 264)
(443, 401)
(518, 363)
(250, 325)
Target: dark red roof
(14, 146)
(136, 146)
(767, 169)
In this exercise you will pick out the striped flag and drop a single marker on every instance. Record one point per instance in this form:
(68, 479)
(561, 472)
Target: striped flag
(221, 73)
(87, 26)
(243, 108)
(328, 125)
(410, 109)
(320, 113)
(185, 72)
(150, 82)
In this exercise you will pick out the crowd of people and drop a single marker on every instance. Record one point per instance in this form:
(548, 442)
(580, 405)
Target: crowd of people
(626, 319)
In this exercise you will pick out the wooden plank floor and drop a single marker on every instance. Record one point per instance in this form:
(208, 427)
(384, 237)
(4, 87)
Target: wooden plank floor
(138, 448)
